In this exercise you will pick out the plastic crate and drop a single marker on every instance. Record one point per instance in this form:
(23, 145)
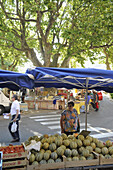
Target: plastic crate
(1, 156)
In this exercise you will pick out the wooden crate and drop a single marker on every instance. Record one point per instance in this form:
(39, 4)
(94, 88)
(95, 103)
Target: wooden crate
(57, 165)
(105, 161)
(15, 161)
(82, 163)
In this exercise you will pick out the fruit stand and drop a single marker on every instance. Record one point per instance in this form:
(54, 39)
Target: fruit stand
(14, 157)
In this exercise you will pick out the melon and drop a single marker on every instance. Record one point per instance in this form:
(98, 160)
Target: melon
(32, 158)
(66, 142)
(74, 152)
(93, 145)
(89, 148)
(86, 142)
(75, 158)
(63, 147)
(100, 144)
(89, 138)
(95, 140)
(45, 145)
(85, 152)
(43, 162)
(68, 153)
(108, 143)
(52, 147)
(50, 161)
(81, 137)
(107, 156)
(54, 155)
(79, 142)
(69, 159)
(58, 160)
(39, 156)
(82, 158)
(73, 145)
(35, 163)
(60, 151)
(81, 149)
(97, 150)
(111, 150)
(64, 136)
(58, 142)
(105, 150)
(46, 156)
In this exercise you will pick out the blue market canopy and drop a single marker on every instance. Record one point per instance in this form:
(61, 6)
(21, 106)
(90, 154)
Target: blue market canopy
(14, 81)
(73, 78)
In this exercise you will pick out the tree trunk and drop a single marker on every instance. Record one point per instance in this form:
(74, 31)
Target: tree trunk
(31, 55)
(65, 63)
(107, 60)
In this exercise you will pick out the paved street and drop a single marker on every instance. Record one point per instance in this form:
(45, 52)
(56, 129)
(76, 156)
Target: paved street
(48, 122)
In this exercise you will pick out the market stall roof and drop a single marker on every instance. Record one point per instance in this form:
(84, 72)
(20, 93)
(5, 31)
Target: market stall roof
(73, 78)
(14, 81)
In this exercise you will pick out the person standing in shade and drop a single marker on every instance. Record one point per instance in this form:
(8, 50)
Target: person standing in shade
(15, 114)
(95, 100)
(88, 102)
(69, 121)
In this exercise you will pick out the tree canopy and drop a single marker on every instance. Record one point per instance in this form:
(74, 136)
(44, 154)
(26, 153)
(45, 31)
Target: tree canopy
(57, 29)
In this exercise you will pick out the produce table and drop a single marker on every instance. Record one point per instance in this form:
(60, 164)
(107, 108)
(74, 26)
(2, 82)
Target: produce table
(78, 104)
(45, 104)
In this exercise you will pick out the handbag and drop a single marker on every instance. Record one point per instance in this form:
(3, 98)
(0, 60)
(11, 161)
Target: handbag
(97, 105)
(14, 127)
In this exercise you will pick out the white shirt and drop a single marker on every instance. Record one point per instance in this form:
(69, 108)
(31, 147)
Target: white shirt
(14, 107)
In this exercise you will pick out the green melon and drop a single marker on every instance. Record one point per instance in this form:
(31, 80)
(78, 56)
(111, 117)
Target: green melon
(111, 150)
(108, 143)
(89, 138)
(73, 145)
(54, 155)
(64, 136)
(79, 142)
(89, 148)
(46, 156)
(85, 152)
(45, 145)
(68, 153)
(39, 156)
(66, 142)
(52, 147)
(104, 150)
(43, 161)
(69, 159)
(32, 158)
(100, 144)
(58, 160)
(81, 149)
(82, 158)
(86, 142)
(75, 158)
(97, 150)
(48, 152)
(60, 151)
(44, 140)
(93, 145)
(107, 156)
(74, 152)
(95, 140)
(63, 147)
(81, 137)
(50, 161)
(35, 163)
(58, 142)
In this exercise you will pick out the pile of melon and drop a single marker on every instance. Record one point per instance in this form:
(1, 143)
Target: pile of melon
(54, 147)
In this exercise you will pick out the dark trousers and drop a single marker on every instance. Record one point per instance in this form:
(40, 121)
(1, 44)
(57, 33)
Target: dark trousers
(15, 135)
(70, 133)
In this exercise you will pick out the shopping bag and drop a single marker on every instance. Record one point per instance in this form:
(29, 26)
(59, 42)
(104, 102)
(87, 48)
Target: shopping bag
(14, 127)
(97, 105)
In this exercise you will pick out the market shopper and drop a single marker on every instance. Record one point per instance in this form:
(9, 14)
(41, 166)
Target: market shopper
(88, 102)
(69, 121)
(15, 114)
(95, 103)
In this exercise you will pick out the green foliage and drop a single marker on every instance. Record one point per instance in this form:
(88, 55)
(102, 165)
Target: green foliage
(58, 29)
(111, 94)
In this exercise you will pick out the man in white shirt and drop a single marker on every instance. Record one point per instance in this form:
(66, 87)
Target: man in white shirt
(15, 113)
